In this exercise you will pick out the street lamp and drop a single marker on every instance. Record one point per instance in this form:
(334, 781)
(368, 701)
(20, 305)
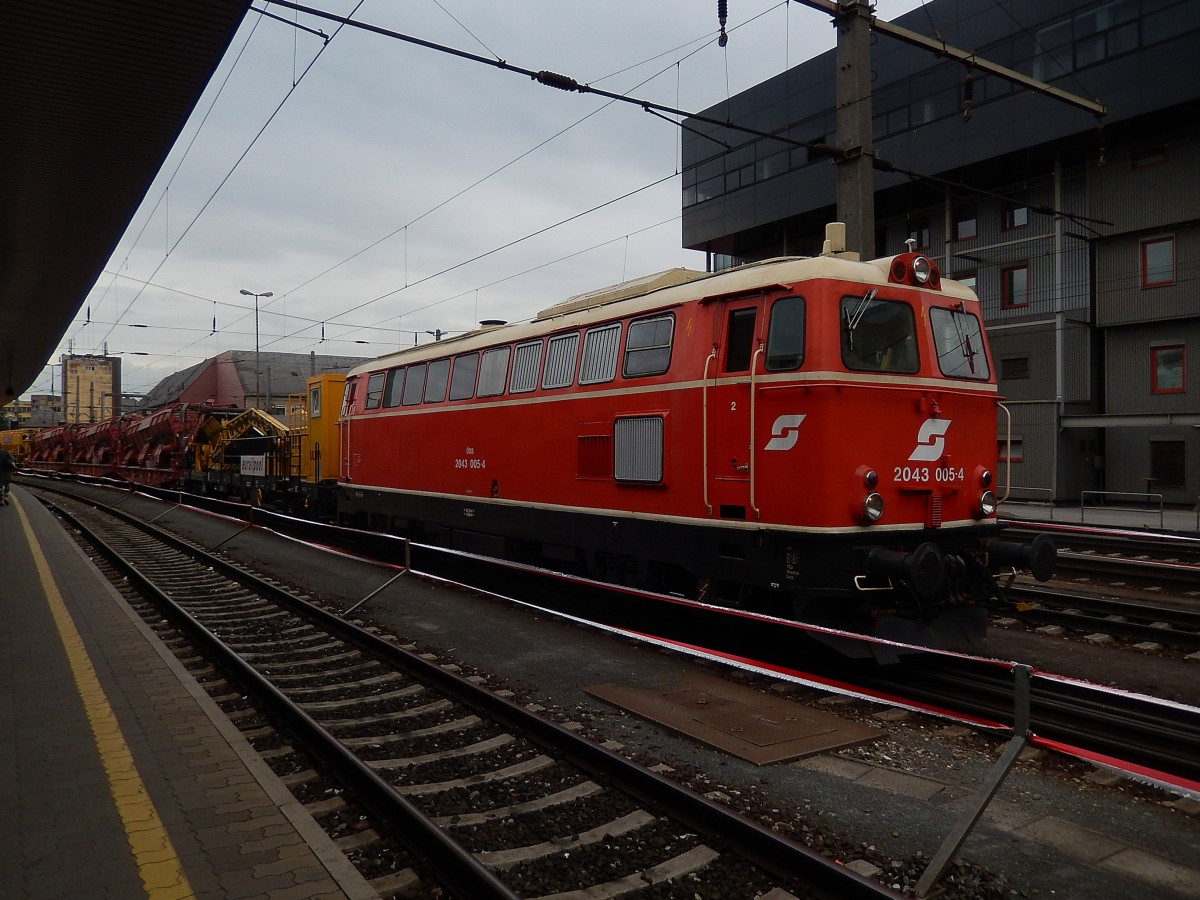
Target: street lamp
(257, 367)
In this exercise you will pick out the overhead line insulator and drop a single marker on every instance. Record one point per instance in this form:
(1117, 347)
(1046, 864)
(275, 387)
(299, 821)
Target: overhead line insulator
(554, 80)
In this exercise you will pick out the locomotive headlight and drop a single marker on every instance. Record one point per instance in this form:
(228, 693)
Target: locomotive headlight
(985, 478)
(872, 507)
(987, 504)
(921, 269)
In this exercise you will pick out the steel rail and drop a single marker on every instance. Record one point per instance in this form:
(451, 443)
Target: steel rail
(753, 841)
(1130, 731)
(1082, 612)
(453, 864)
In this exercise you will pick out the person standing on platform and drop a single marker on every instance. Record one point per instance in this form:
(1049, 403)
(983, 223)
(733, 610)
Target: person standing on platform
(8, 465)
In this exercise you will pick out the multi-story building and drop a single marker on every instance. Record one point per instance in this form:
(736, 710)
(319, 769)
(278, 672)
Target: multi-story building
(1080, 235)
(91, 387)
(39, 411)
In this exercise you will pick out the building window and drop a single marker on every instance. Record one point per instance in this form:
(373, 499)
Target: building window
(1167, 370)
(1167, 468)
(918, 230)
(1014, 368)
(1013, 450)
(1014, 287)
(1016, 215)
(966, 226)
(1158, 262)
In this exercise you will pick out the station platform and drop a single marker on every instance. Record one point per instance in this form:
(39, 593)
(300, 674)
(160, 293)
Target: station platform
(119, 777)
(1112, 515)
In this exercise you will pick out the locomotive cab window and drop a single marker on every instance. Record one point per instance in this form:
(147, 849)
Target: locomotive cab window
(878, 335)
(375, 390)
(648, 346)
(394, 390)
(785, 335)
(740, 339)
(462, 381)
(348, 397)
(958, 340)
(436, 381)
(414, 385)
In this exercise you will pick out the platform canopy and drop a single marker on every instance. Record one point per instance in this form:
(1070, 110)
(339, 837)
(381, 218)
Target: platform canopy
(93, 93)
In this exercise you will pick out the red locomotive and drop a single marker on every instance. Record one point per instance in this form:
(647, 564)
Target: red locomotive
(810, 437)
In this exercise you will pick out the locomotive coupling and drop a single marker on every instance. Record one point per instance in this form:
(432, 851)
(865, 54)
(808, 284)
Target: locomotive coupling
(1040, 557)
(924, 569)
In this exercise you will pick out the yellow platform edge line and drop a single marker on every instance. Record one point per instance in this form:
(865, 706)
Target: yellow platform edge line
(163, 878)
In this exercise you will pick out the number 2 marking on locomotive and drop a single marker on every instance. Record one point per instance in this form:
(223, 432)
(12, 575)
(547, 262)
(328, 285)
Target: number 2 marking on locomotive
(785, 432)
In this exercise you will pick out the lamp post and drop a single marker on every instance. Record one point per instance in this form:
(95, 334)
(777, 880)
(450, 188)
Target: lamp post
(257, 367)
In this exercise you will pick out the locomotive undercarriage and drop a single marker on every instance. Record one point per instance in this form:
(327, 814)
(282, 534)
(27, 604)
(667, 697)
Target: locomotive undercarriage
(926, 587)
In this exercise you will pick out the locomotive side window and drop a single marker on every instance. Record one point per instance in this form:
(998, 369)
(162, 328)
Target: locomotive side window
(561, 352)
(348, 397)
(493, 371)
(436, 380)
(414, 385)
(525, 367)
(878, 335)
(740, 340)
(785, 335)
(600, 347)
(395, 387)
(638, 449)
(648, 346)
(375, 390)
(462, 382)
(958, 338)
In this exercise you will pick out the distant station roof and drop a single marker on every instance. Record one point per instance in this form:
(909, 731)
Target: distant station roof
(93, 93)
(229, 379)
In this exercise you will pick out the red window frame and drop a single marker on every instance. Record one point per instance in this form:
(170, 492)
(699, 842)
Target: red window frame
(1010, 213)
(1006, 299)
(963, 216)
(1155, 388)
(1016, 452)
(1145, 271)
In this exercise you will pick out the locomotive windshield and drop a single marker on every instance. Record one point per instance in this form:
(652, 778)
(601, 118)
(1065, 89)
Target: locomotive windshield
(785, 336)
(878, 335)
(958, 338)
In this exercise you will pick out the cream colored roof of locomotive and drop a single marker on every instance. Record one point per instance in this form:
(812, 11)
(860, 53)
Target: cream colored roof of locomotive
(658, 291)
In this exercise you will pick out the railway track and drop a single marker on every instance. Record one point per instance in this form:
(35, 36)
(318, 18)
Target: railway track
(1130, 620)
(469, 792)
(1154, 739)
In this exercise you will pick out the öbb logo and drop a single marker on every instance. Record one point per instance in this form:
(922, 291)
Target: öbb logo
(785, 432)
(931, 441)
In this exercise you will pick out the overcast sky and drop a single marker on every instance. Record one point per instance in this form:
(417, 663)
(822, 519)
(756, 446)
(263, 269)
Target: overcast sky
(385, 195)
